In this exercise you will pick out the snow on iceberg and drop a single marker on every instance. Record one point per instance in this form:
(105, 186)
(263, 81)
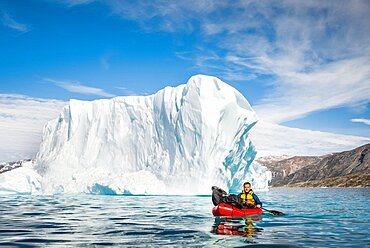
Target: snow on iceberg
(21, 180)
(180, 140)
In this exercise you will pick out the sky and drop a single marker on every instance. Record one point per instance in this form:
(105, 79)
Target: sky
(303, 65)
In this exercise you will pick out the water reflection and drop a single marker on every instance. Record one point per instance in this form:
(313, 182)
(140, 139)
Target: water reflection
(244, 226)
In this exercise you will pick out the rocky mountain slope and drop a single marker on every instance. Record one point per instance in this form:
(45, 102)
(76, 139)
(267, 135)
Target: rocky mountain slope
(344, 169)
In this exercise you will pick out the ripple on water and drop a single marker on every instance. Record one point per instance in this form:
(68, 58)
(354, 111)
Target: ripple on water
(86, 220)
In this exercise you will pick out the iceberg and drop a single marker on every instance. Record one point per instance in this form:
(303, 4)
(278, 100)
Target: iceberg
(181, 140)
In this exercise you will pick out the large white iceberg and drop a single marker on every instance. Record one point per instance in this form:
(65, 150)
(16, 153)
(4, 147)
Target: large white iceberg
(180, 140)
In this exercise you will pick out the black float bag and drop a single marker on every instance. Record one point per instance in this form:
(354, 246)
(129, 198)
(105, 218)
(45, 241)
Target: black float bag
(220, 196)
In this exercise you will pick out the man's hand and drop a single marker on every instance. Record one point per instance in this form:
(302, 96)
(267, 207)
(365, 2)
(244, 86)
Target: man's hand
(259, 206)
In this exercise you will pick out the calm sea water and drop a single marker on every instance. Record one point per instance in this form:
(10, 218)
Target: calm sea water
(314, 218)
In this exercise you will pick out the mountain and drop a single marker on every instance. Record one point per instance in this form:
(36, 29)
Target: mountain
(343, 169)
(180, 140)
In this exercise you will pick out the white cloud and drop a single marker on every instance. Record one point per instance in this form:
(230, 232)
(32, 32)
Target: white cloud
(9, 22)
(365, 121)
(316, 53)
(339, 84)
(77, 87)
(275, 139)
(21, 122)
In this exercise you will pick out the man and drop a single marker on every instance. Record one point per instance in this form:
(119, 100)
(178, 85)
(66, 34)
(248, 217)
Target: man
(249, 198)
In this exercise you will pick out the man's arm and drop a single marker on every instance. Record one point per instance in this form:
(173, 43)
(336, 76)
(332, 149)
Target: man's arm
(258, 202)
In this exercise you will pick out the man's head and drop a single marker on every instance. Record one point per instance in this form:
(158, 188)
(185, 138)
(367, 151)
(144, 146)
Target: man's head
(247, 186)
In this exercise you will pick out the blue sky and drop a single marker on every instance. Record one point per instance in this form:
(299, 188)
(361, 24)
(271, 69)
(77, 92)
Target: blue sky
(300, 64)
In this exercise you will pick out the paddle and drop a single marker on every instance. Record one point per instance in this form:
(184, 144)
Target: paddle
(274, 212)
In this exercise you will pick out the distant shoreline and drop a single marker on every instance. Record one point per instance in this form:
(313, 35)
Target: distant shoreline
(357, 180)
(323, 187)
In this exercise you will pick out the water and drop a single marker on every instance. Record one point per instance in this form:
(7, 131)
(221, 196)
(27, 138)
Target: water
(314, 218)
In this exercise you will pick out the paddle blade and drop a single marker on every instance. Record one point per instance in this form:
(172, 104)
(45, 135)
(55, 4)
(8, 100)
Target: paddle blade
(274, 212)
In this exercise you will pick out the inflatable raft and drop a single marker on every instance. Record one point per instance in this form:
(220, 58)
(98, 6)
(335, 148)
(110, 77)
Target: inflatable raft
(224, 209)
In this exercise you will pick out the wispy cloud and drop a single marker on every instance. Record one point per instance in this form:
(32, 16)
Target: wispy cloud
(315, 53)
(77, 87)
(365, 121)
(21, 123)
(338, 84)
(275, 139)
(72, 3)
(127, 91)
(104, 61)
(9, 22)
(169, 16)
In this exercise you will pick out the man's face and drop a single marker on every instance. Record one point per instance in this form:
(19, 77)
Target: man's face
(247, 187)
